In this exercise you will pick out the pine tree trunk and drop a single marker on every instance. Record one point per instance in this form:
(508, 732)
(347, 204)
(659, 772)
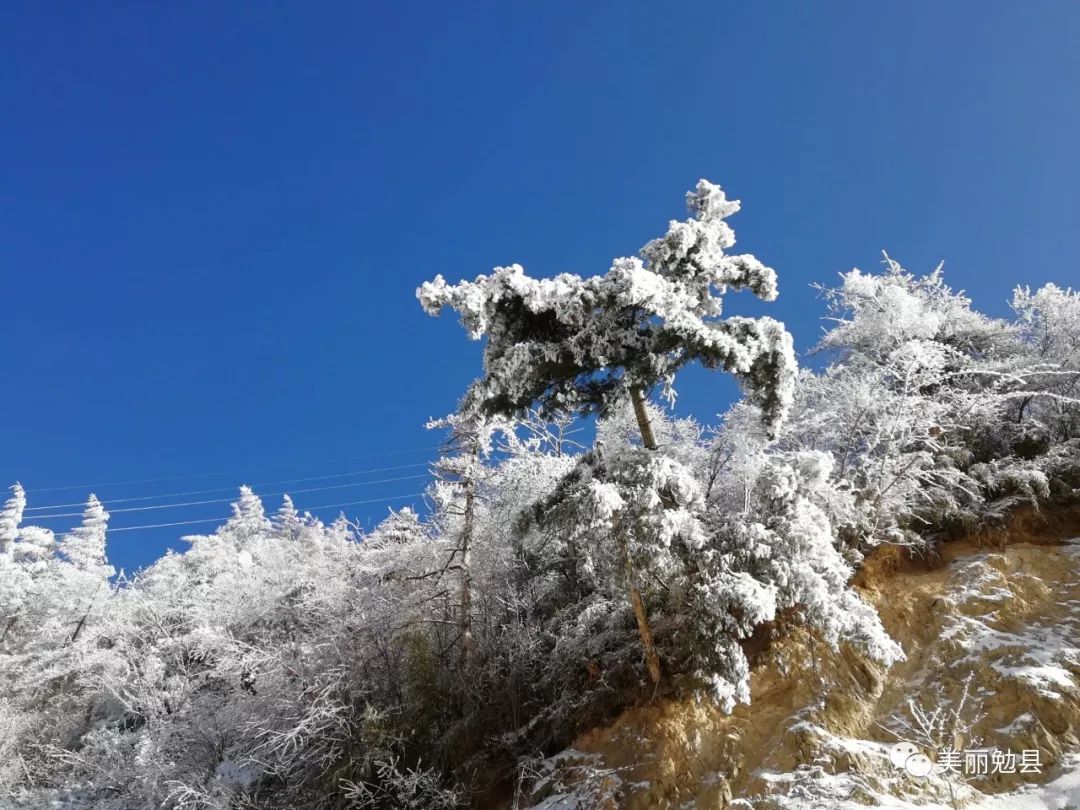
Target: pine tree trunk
(652, 658)
(647, 437)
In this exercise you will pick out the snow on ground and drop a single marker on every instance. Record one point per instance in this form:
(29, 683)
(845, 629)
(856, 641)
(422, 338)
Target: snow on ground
(1061, 793)
(844, 791)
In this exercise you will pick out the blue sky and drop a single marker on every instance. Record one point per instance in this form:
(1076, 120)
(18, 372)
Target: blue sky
(213, 216)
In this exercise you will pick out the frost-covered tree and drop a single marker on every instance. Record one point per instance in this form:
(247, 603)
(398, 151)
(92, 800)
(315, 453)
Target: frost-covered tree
(287, 520)
(85, 570)
(623, 518)
(588, 344)
(401, 527)
(1050, 319)
(786, 540)
(1050, 324)
(249, 517)
(14, 578)
(923, 407)
(84, 547)
(873, 315)
(459, 473)
(10, 518)
(582, 344)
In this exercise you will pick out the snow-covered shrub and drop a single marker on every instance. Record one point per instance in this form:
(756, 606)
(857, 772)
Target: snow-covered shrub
(923, 396)
(1050, 325)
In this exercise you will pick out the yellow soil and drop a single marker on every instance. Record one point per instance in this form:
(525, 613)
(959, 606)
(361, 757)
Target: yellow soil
(1018, 588)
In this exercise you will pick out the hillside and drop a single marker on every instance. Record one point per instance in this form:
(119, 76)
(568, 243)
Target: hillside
(999, 613)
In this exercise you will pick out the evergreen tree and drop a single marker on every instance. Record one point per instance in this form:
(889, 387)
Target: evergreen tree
(10, 518)
(287, 520)
(84, 547)
(85, 571)
(582, 344)
(248, 518)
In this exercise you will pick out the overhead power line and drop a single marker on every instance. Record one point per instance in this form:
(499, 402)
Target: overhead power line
(230, 499)
(230, 472)
(223, 519)
(228, 488)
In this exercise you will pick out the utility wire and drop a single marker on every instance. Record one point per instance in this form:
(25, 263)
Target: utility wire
(222, 520)
(228, 488)
(232, 498)
(231, 472)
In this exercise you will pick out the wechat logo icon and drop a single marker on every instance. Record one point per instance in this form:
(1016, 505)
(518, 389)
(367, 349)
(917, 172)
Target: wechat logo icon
(907, 756)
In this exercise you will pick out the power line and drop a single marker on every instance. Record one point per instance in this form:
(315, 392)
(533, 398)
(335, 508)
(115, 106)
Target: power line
(232, 472)
(228, 488)
(230, 499)
(220, 520)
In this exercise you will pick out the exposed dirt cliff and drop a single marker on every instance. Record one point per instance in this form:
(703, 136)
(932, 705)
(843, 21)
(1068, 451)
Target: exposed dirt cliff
(991, 630)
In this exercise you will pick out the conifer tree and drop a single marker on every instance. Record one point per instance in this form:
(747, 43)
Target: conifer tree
(84, 547)
(400, 527)
(584, 344)
(10, 518)
(88, 571)
(249, 517)
(587, 344)
(287, 520)
(14, 579)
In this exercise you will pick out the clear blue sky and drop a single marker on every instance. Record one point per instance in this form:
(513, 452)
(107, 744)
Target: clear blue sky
(213, 216)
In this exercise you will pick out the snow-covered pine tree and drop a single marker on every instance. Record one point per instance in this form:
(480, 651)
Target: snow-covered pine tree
(10, 518)
(587, 344)
(287, 520)
(14, 579)
(584, 344)
(786, 540)
(249, 516)
(400, 527)
(87, 570)
(84, 547)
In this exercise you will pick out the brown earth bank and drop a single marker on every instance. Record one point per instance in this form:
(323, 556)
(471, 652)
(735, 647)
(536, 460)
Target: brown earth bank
(995, 616)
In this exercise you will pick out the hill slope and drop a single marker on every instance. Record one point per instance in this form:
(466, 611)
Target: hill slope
(1003, 619)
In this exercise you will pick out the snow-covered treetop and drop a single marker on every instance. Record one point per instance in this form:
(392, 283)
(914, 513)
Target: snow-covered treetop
(579, 344)
(287, 520)
(1051, 320)
(470, 434)
(693, 250)
(11, 517)
(400, 527)
(84, 547)
(248, 517)
(876, 314)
